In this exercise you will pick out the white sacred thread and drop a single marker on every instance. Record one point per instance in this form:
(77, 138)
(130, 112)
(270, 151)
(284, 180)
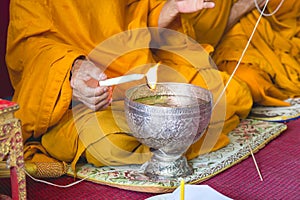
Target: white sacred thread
(71, 184)
(243, 53)
(52, 184)
(268, 14)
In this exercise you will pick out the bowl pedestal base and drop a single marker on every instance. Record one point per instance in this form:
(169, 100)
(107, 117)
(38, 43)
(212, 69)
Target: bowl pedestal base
(163, 166)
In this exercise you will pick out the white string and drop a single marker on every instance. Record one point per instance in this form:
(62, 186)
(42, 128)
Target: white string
(65, 186)
(52, 184)
(243, 53)
(270, 14)
(254, 160)
(82, 179)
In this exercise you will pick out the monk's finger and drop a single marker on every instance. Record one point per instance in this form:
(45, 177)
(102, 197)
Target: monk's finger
(98, 106)
(97, 99)
(102, 105)
(208, 4)
(86, 91)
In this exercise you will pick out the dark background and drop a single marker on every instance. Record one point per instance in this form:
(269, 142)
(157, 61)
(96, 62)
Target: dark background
(5, 86)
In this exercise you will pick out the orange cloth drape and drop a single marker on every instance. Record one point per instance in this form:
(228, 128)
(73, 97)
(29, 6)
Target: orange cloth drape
(44, 39)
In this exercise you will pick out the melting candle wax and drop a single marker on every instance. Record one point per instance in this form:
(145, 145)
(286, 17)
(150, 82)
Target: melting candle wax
(151, 76)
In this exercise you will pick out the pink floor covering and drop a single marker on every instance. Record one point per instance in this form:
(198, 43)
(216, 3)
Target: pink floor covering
(279, 163)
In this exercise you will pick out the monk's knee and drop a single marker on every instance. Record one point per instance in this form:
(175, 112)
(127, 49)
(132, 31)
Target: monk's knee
(111, 152)
(60, 145)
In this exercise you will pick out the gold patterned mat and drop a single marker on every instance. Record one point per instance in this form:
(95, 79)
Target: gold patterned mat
(131, 177)
(277, 114)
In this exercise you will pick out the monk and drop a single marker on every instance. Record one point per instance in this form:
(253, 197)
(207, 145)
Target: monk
(271, 64)
(66, 115)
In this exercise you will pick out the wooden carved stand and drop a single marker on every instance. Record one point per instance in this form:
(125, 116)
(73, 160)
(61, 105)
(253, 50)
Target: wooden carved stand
(11, 148)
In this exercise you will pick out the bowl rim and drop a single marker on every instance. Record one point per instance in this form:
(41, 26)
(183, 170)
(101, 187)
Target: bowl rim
(131, 103)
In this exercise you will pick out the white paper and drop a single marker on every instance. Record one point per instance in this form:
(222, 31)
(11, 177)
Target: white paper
(193, 192)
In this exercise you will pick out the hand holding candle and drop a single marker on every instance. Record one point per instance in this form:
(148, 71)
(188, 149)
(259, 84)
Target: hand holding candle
(151, 78)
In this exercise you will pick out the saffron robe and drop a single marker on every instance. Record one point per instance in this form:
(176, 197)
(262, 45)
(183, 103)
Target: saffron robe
(44, 39)
(271, 64)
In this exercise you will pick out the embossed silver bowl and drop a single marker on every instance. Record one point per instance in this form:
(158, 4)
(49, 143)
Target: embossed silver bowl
(168, 120)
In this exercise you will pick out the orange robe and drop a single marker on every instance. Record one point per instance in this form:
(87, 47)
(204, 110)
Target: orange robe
(44, 39)
(271, 65)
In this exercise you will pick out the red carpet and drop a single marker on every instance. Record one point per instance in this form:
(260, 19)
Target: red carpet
(279, 163)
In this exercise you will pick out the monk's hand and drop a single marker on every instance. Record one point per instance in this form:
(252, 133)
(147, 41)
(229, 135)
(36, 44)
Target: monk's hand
(85, 84)
(190, 6)
(172, 8)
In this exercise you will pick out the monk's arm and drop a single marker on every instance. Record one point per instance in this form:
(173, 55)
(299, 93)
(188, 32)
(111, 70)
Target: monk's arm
(33, 40)
(39, 66)
(240, 9)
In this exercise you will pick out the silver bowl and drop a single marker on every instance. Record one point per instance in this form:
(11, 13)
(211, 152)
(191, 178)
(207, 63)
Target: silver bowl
(168, 120)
